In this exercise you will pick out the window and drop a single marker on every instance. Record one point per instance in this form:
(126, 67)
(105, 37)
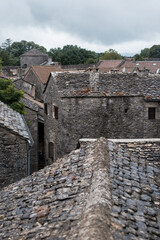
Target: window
(51, 150)
(55, 112)
(151, 113)
(46, 108)
(126, 110)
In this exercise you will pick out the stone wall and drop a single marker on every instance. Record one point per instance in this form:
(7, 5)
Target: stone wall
(39, 87)
(27, 61)
(94, 105)
(26, 87)
(13, 157)
(33, 115)
(110, 117)
(134, 175)
(116, 117)
(31, 118)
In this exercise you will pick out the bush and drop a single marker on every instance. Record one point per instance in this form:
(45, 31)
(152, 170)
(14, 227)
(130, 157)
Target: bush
(11, 96)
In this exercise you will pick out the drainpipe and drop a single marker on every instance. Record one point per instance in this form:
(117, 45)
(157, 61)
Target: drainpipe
(30, 144)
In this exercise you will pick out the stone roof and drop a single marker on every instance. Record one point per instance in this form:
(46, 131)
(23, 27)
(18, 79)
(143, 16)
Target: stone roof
(96, 84)
(34, 52)
(104, 190)
(13, 121)
(31, 100)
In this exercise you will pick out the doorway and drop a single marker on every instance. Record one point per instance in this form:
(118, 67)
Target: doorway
(41, 159)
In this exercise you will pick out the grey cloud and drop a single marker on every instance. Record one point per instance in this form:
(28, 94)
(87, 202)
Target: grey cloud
(104, 21)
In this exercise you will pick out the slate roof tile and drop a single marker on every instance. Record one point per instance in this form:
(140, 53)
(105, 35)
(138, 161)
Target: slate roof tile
(13, 121)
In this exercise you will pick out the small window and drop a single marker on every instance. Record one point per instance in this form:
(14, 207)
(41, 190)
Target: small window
(151, 113)
(55, 112)
(51, 150)
(46, 108)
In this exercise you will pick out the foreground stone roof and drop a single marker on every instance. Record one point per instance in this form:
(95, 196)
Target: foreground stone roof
(104, 190)
(13, 121)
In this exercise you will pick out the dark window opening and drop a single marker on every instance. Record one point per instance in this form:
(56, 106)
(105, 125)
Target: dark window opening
(46, 108)
(41, 160)
(25, 65)
(51, 150)
(55, 112)
(151, 113)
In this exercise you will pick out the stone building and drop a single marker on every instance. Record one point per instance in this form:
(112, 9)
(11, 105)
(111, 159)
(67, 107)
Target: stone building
(33, 57)
(35, 118)
(37, 76)
(83, 105)
(108, 189)
(15, 144)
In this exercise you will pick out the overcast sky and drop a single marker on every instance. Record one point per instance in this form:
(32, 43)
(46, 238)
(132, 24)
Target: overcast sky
(124, 25)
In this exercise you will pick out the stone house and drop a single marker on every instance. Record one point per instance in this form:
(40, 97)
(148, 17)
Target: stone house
(15, 144)
(37, 76)
(33, 57)
(91, 105)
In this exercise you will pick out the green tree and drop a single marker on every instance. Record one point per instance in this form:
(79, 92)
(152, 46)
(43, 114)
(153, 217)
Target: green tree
(145, 53)
(10, 52)
(111, 54)
(11, 96)
(0, 65)
(6, 59)
(154, 51)
(138, 57)
(70, 54)
(7, 45)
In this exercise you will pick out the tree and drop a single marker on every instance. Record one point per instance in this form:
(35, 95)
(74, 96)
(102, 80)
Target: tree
(5, 57)
(111, 54)
(10, 52)
(7, 45)
(145, 53)
(138, 57)
(0, 65)
(154, 51)
(70, 54)
(11, 96)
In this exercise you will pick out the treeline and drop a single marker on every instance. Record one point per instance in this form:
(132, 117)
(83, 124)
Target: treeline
(68, 55)
(10, 52)
(148, 53)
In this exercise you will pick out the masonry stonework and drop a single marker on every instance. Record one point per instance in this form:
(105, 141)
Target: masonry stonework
(134, 173)
(31, 78)
(94, 105)
(13, 157)
(107, 189)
